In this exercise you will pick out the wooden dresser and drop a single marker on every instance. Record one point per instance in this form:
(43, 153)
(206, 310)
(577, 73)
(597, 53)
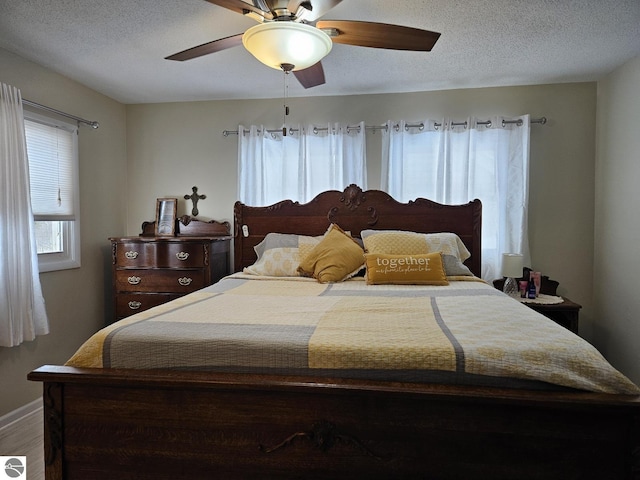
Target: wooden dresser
(149, 270)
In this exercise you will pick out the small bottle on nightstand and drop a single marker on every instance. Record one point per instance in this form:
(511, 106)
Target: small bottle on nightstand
(531, 288)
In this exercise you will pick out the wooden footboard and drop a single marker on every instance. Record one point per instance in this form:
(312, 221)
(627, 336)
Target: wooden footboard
(106, 424)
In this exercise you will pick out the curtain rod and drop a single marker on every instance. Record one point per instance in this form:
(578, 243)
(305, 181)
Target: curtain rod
(92, 124)
(374, 128)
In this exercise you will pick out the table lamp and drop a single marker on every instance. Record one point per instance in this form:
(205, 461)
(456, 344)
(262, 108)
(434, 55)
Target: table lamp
(512, 264)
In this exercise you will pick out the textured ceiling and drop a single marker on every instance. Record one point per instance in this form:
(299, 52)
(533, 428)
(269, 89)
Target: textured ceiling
(117, 47)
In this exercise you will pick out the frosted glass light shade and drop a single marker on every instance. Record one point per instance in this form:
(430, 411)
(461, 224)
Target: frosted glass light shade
(512, 264)
(277, 43)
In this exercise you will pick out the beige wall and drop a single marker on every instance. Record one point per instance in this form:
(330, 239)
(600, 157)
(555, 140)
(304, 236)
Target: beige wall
(142, 152)
(617, 219)
(173, 146)
(74, 298)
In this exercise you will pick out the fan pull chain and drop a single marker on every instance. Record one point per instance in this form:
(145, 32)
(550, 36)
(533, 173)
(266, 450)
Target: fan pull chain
(286, 68)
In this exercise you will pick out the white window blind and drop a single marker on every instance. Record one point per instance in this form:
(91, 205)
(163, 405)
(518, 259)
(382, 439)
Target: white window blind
(52, 153)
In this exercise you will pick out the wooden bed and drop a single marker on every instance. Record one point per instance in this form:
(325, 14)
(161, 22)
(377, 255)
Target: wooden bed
(141, 424)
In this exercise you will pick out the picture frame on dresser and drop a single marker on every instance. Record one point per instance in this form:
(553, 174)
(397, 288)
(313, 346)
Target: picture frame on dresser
(166, 214)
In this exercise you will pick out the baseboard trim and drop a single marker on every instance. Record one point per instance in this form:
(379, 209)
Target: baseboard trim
(20, 413)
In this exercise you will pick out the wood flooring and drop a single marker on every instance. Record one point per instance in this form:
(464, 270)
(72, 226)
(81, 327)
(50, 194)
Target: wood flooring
(21, 434)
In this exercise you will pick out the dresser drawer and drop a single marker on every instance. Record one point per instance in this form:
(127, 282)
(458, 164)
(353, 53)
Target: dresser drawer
(160, 254)
(130, 303)
(182, 255)
(159, 280)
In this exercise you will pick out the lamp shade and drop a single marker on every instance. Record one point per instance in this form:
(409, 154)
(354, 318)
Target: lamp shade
(512, 264)
(278, 43)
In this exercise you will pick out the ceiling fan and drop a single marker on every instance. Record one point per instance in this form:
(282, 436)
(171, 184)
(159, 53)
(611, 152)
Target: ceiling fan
(290, 37)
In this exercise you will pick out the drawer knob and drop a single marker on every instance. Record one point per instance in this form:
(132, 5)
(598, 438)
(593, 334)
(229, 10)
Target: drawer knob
(185, 281)
(131, 254)
(134, 280)
(133, 305)
(182, 255)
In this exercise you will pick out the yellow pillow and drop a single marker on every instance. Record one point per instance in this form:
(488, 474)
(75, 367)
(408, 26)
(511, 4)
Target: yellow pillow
(397, 242)
(336, 258)
(411, 269)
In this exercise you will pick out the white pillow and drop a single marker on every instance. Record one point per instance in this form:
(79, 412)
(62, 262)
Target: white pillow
(279, 254)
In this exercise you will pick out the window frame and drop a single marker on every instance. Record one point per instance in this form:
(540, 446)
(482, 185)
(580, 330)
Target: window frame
(69, 258)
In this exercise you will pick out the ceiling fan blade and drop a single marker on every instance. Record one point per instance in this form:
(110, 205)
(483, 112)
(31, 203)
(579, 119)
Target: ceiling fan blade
(317, 10)
(207, 48)
(380, 35)
(310, 77)
(241, 7)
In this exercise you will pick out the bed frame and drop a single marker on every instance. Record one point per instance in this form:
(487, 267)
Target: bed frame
(132, 424)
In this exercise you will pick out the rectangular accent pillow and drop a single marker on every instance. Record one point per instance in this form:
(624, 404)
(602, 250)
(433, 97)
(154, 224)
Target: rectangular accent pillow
(410, 269)
(398, 242)
(279, 254)
(336, 258)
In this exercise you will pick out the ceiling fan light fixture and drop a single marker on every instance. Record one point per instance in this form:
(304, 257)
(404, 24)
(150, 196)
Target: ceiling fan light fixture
(285, 42)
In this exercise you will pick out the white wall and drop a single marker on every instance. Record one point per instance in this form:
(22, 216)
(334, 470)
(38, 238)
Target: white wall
(74, 298)
(617, 219)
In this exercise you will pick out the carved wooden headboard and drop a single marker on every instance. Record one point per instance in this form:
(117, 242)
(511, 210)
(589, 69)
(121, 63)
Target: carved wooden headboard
(355, 210)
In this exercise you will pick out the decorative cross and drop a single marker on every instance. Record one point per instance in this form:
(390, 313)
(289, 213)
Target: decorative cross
(194, 197)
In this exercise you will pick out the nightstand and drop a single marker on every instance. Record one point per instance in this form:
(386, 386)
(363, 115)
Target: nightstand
(565, 313)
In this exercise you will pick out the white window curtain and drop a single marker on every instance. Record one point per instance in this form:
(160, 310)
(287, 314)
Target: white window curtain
(22, 310)
(454, 164)
(308, 160)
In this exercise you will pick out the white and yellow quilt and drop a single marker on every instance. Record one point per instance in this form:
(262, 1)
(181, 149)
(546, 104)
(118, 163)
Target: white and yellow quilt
(464, 333)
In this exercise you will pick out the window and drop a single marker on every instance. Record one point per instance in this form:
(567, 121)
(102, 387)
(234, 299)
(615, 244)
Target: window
(455, 163)
(52, 148)
(274, 167)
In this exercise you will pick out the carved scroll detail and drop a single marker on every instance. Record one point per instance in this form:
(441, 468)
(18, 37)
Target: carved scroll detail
(332, 213)
(635, 448)
(353, 197)
(635, 463)
(323, 436)
(374, 216)
(53, 423)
